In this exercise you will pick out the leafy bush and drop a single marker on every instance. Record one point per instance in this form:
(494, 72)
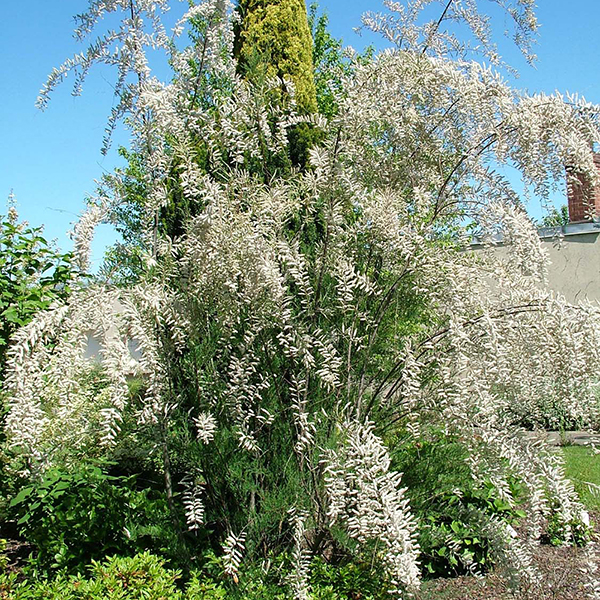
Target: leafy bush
(451, 506)
(203, 589)
(32, 275)
(141, 577)
(576, 531)
(348, 580)
(73, 517)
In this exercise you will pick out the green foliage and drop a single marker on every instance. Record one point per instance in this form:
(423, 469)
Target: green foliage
(278, 32)
(33, 274)
(146, 577)
(454, 546)
(123, 263)
(348, 580)
(201, 588)
(581, 467)
(556, 217)
(302, 138)
(561, 532)
(3, 555)
(330, 65)
(141, 577)
(8, 483)
(452, 509)
(72, 517)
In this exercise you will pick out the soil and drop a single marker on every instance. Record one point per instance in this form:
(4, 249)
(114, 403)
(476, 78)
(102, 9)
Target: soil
(563, 577)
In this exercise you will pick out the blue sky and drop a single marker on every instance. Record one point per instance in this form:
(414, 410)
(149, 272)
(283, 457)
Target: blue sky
(50, 159)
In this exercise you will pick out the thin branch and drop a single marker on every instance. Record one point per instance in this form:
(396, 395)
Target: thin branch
(437, 26)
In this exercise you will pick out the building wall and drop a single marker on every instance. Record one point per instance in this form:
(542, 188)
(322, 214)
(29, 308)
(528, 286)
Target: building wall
(574, 253)
(583, 198)
(574, 269)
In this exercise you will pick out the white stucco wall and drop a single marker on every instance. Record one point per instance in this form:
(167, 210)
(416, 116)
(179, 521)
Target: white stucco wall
(574, 269)
(574, 253)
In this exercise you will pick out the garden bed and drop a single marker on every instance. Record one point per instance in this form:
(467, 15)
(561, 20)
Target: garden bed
(562, 568)
(562, 579)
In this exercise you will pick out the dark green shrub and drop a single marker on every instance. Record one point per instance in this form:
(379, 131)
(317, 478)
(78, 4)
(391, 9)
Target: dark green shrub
(454, 539)
(74, 517)
(348, 580)
(302, 138)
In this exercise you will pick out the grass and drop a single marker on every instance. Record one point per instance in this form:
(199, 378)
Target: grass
(582, 466)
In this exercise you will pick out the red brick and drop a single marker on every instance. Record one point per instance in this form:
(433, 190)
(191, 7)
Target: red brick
(583, 198)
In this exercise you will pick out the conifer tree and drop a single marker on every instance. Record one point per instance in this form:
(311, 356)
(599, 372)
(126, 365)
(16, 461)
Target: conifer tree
(276, 33)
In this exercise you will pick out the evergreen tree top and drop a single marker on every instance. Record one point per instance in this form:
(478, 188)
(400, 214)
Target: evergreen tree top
(276, 34)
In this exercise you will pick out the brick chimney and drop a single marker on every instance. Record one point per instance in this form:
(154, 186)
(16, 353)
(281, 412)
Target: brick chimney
(583, 199)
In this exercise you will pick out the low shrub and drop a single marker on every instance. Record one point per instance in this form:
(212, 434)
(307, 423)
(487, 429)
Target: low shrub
(74, 517)
(576, 531)
(141, 577)
(349, 580)
(146, 577)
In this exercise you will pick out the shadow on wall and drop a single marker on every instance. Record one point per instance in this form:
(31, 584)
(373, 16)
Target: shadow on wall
(93, 348)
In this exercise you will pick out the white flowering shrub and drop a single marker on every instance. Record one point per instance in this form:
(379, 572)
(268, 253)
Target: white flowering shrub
(365, 495)
(301, 318)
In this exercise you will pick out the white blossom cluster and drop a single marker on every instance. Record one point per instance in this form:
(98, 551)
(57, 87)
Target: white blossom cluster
(366, 496)
(298, 578)
(48, 366)
(192, 501)
(403, 26)
(234, 553)
(83, 234)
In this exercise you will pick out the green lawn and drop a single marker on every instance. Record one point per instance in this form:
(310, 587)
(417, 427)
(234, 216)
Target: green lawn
(582, 466)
